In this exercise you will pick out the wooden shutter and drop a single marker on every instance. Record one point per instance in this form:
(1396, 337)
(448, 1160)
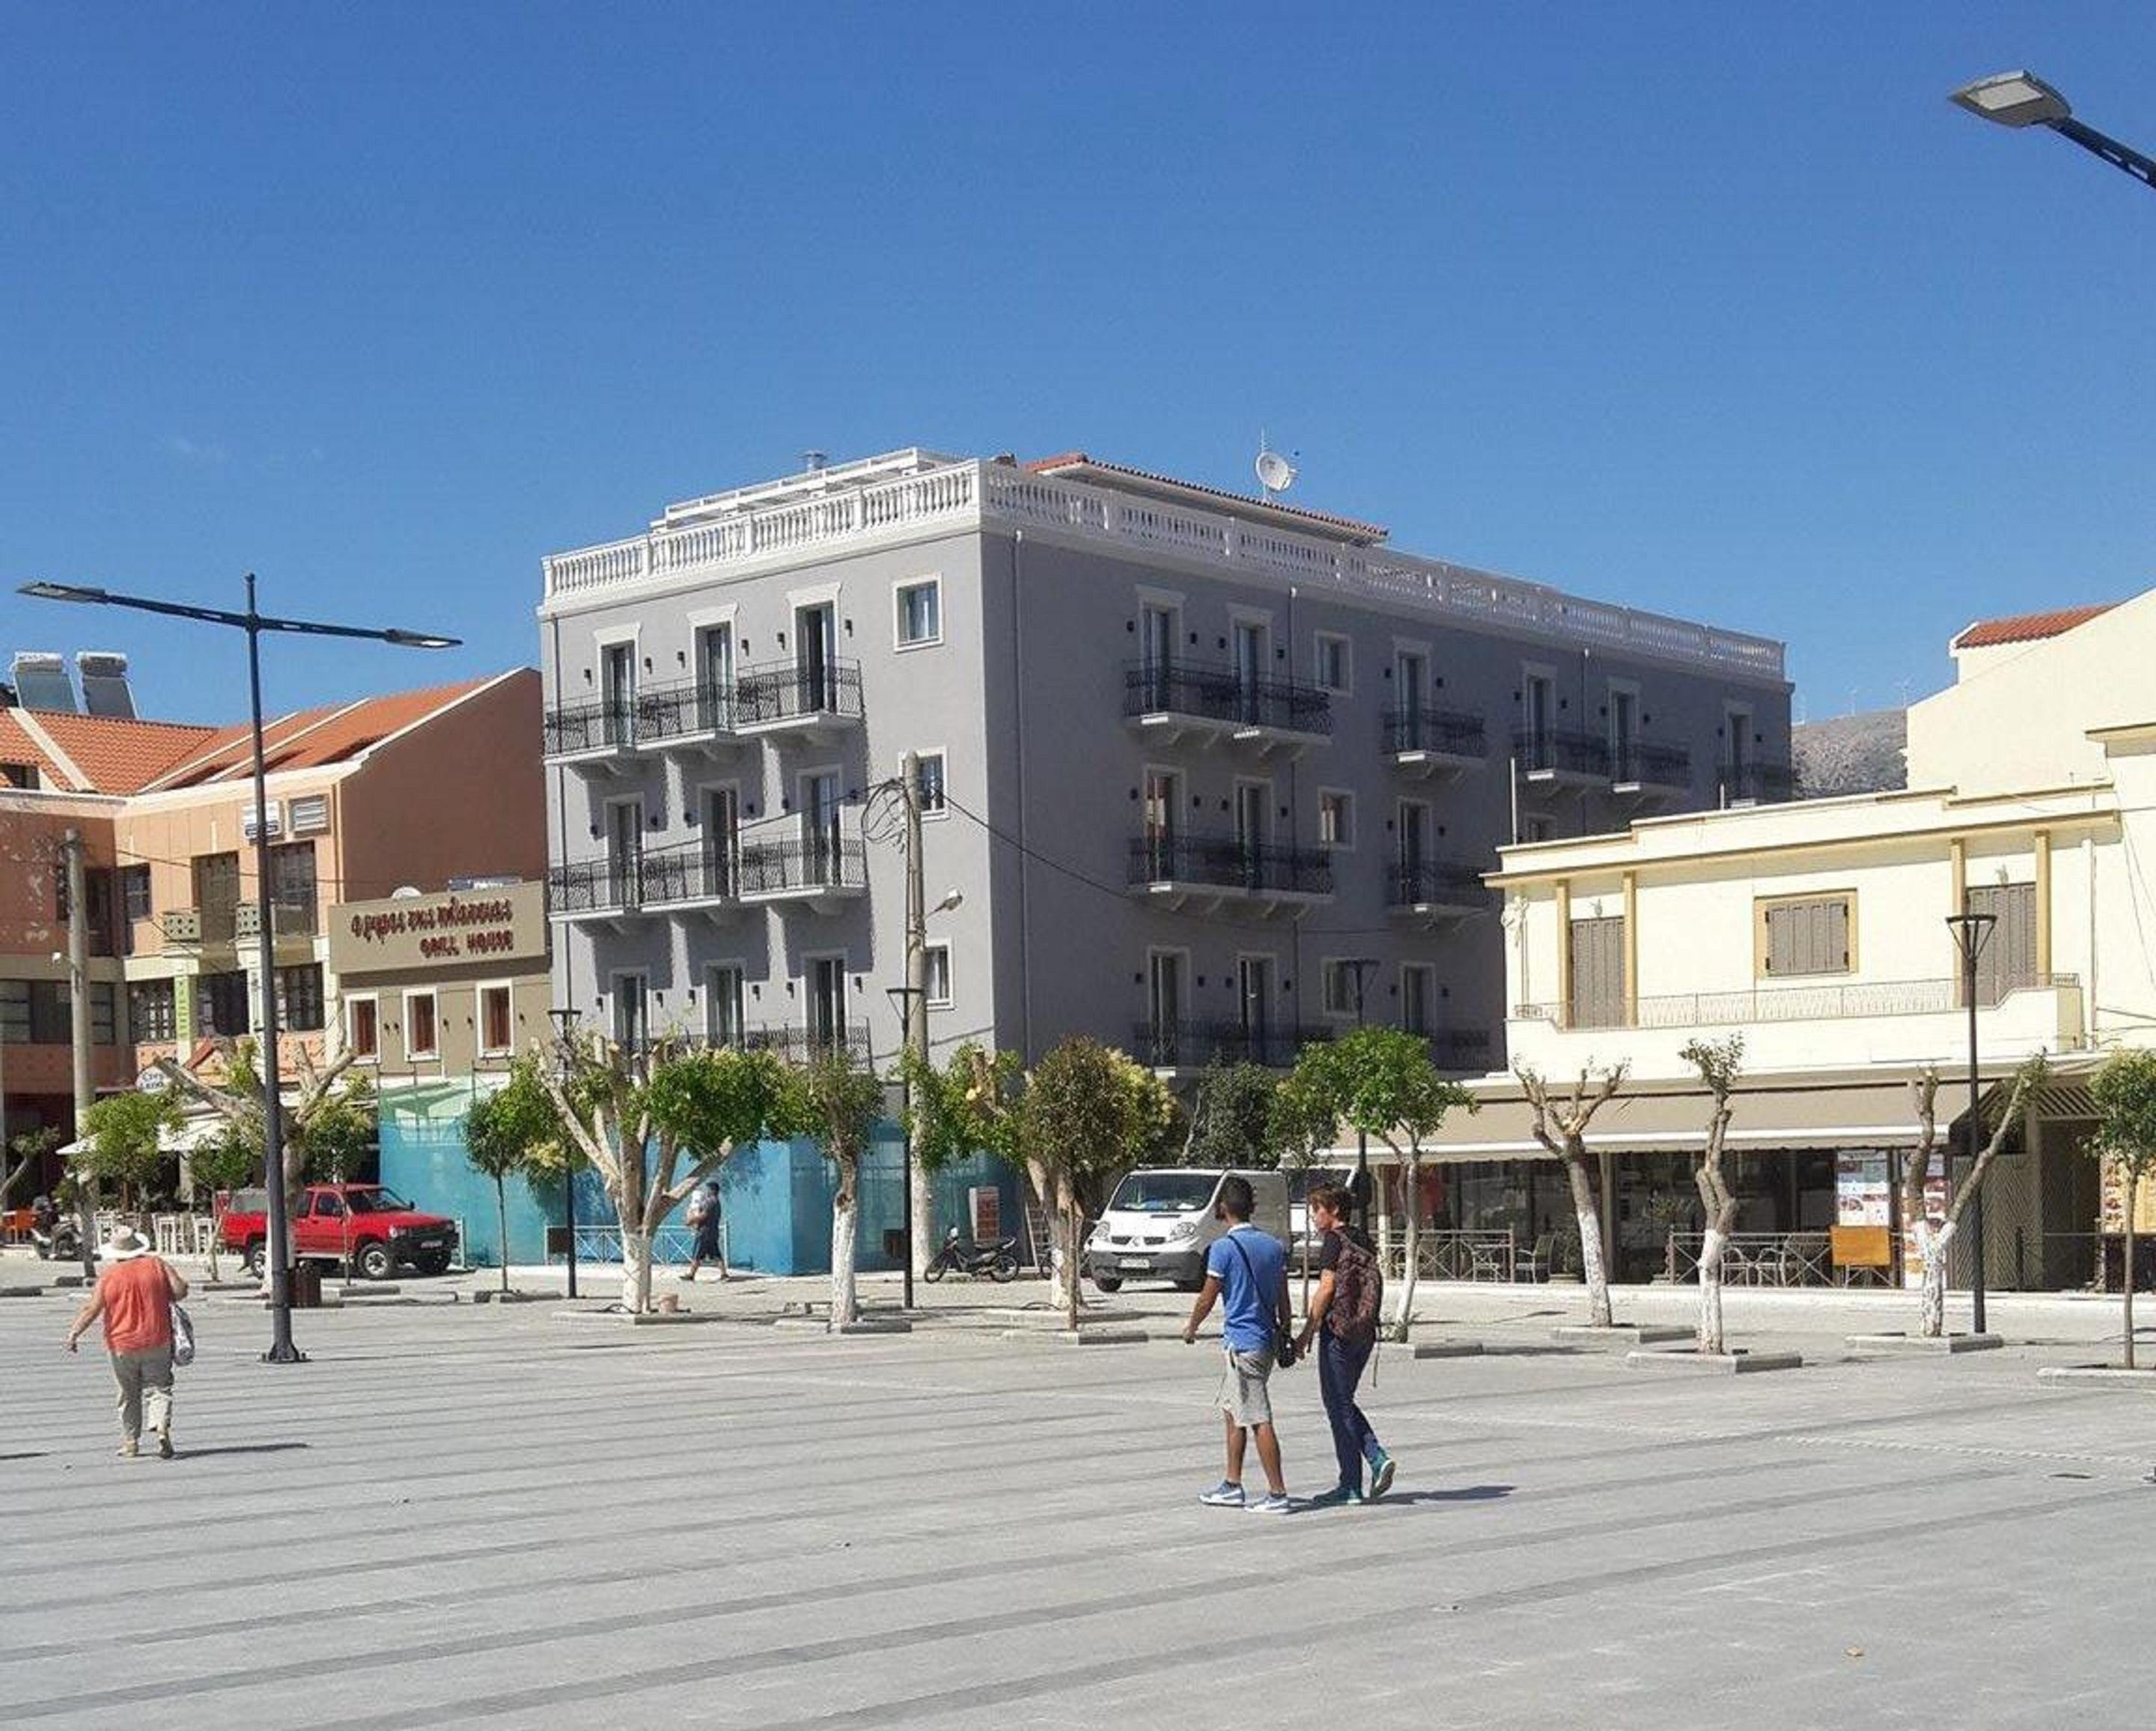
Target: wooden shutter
(1808, 938)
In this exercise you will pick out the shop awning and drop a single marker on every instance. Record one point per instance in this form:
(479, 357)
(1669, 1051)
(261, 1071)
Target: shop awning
(197, 1130)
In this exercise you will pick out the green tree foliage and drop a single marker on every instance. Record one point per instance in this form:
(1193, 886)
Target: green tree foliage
(217, 1169)
(1232, 1118)
(2124, 1091)
(834, 1102)
(501, 1130)
(125, 1133)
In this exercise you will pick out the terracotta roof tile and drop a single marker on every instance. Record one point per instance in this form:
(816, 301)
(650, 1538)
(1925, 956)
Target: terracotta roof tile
(115, 756)
(313, 738)
(2028, 627)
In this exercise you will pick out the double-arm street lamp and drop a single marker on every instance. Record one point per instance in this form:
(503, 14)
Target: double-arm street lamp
(1971, 933)
(2020, 99)
(278, 1249)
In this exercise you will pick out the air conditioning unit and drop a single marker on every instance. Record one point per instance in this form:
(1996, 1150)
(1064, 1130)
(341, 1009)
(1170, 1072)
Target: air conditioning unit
(274, 811)
(310, 815)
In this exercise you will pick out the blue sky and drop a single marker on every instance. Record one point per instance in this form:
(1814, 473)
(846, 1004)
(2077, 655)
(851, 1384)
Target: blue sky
(1718, 310)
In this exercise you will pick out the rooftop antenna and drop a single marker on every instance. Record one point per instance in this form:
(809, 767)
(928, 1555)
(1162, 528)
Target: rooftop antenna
(813, 460)
(1276, 474)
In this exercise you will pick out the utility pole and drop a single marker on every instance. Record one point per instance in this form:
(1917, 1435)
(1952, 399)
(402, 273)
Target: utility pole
(920, 1206)
(77, 953)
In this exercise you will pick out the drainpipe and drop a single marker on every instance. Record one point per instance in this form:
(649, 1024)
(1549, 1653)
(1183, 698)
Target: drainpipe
(2088, 864)
(1025, 846)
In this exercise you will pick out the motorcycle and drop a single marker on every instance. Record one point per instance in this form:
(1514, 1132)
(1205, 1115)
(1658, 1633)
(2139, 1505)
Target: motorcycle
(973, 1257)
(61, 1243)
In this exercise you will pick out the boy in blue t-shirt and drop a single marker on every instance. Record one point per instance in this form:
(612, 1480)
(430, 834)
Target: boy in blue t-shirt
(1251, 1268)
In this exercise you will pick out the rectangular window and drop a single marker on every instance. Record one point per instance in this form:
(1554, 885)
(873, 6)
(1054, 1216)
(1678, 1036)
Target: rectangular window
(152, 1006)
(300, 997)
(827, 1002)
(725, 1011)
(1334, 667)
(497, 1021)
(919, 614)
(630, 1025)
(51, 1022)
(1340, 980)
(311, 814)
(221, 1004)
(19, 775)
(930, 785)
(1418, 996)
(1804, 937)
(363, 1028)
(135, 891)
(292, 885)
(939, 976)
(14, 1011)
(422, 1028)
(217, 894)
(1336, 820)
(104, 1013)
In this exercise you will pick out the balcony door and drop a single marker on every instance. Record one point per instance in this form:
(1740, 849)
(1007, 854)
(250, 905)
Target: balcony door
(1251, 659)
(1164, 1007)
(2008, 960)
(814, 651)
(827, 1003)
(721, 817)
(1164, 795)
(1411, 675)
(624, 838)
(1624, 734)
(618, 692)
(632, 1024)
(1539, 696)
(1598, 974)
(1254, 978)
(1418, 996)
(1252, 799)
(1412, 818)
(1157, 652)
(820, 825)
(217, 894)
(715, 678)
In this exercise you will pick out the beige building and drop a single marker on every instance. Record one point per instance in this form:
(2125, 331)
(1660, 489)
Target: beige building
(1819, 931)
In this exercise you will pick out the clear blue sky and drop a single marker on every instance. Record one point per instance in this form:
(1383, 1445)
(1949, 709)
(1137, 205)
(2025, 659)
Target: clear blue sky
(1714, 308)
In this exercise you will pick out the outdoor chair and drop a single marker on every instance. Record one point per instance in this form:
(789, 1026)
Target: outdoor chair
(1534, 1265)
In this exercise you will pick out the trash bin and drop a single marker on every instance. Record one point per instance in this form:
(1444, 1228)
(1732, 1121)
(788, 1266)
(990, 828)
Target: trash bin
(306, 1285)
(894, 1243)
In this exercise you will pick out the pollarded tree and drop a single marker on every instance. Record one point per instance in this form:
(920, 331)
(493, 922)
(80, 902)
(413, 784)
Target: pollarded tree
(1381, 1081)
(654, 1124)
(126, 1136)
(832, 1100)
(503, 1131)
(219, 1167)
(329, 1117)
(1719, 1062)
(1561, 1127)
(2125, 1094)
(1086, 1111)
(1231, 1114)
(1932, 1245)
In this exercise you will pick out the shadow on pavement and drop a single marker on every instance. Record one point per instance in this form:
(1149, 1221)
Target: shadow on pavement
(243, 1448)
(1465, 1494)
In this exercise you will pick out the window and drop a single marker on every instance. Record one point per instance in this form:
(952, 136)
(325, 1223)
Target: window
(929, 784)
(827, 1002)
(217, 894)
(1342, 985)
(725, 1012)
(104, 1014)
(363, 1028)
(19, 775)
(630, 1025)
(497, 1020)
(1418, 993)
(328, 1207)
(221, 1003)
(1807, 937)
(1336, 818)
(939, 976)
(135, 891)
(14, 1011)
(1537, 829)
(152, 1009)
(422, 1029)
(1334, 666)
(300, 997)
(292, 884)
(919, 614)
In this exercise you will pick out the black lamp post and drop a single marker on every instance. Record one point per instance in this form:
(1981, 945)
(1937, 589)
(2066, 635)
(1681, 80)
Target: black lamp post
(1361, 1187)
(2019, 98)
(1971, 933)
(901, 1000)
(565, 1024)
(278, 1249)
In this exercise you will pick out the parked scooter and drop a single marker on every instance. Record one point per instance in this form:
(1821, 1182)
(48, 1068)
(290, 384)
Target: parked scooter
(57, 1238)
(973, 1257)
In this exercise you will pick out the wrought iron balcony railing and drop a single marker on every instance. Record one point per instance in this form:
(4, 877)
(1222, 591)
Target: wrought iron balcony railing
(1451, 731)
(822, 862)
(1222, 694)
(1758, 780)
(1566, 751)
(1426, 883)
(1837, 1002)
(780, 691)
(1650, 764)
(1225, 862)
(1170, 1045)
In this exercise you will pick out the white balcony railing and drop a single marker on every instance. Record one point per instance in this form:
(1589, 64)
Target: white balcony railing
(971, 493)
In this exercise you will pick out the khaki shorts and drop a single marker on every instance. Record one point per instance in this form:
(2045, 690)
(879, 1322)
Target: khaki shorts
(1245, 1393)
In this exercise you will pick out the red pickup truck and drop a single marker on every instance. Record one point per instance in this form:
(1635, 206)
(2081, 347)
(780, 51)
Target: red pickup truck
(373, 1230)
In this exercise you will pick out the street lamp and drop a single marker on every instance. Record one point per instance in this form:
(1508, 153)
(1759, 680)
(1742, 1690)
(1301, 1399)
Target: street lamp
(565, 1025)
(255, 624)
(2020, 99)
(901, 1000)
(1971, 931)
(1360, 1187)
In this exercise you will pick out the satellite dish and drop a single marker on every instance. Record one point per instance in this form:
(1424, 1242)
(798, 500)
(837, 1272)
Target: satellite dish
(1276, 474)
(405, 892)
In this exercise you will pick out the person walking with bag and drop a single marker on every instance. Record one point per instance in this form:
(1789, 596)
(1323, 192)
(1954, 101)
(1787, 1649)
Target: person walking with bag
(705, 1212)
(1258, 1331)
(1343, 1318)
(135, 1297)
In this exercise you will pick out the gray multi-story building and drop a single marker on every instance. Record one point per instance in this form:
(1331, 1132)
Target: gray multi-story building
(1209, 775)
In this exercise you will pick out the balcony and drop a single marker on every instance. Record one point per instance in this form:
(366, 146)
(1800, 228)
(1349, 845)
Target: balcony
(786, 700)
(1650, 774)
(1756, 783)
(1553, 760)
(597, 734)
(821, 874)
(693, 715)
(1434, 743)
(1204, 873)
(1435, 893)
(1194, 1046)
(798, 1046)
(1464, 1051)
(1844, 1023)
(288, 921)
(195, 927)
(1177, 701)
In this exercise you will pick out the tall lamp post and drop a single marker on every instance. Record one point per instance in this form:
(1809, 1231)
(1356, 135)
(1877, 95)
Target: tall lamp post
(902, 999)
(1971, 933)
(1360, 1187)
(254, 623)
(565, 1030)
(2020, 99)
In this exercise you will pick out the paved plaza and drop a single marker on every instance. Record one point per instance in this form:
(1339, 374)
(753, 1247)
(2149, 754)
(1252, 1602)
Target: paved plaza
(457, 1515)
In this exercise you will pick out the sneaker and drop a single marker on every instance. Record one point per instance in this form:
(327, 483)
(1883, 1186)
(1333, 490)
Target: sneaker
(1338, 1497)
(1381, 1475)
(1276, 1504)
(1226, 1494)
(129, 1450)
(164, 1444)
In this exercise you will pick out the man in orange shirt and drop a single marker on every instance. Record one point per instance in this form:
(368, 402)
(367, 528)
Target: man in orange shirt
(135, 1297)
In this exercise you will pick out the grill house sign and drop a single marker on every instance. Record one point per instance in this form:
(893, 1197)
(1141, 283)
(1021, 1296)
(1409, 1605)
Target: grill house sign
(503, 925)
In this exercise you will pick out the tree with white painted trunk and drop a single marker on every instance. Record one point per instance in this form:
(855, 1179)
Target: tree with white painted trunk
(834, 1102)
(1381, 1082)
(1933, 1244)
(1561, 1127)
(1719, 1063)
(654, 1122)
(2124, 1091)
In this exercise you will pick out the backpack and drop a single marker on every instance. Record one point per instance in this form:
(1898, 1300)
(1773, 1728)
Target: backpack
(1358, 1293)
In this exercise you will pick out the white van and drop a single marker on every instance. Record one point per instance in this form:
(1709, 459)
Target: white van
(1160, 1223)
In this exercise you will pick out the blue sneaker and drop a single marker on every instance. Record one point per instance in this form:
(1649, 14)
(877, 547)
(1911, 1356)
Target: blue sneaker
(1381, 1475)
(1275, 1505)
(1338, 1497)
(1227, 1494)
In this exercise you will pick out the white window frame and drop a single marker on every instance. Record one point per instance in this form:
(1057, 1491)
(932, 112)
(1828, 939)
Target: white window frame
(898, 590)
(433, 1055)
(1268, 823)
(1429, 971)
(372, 1000)
(642, 976)
(712, 970)
(1331, 970)
(808, 960)
(934, 947)
(942, 755)
(1318, 641)
(479, 1020)
(1346, 843)
(1621, 688)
